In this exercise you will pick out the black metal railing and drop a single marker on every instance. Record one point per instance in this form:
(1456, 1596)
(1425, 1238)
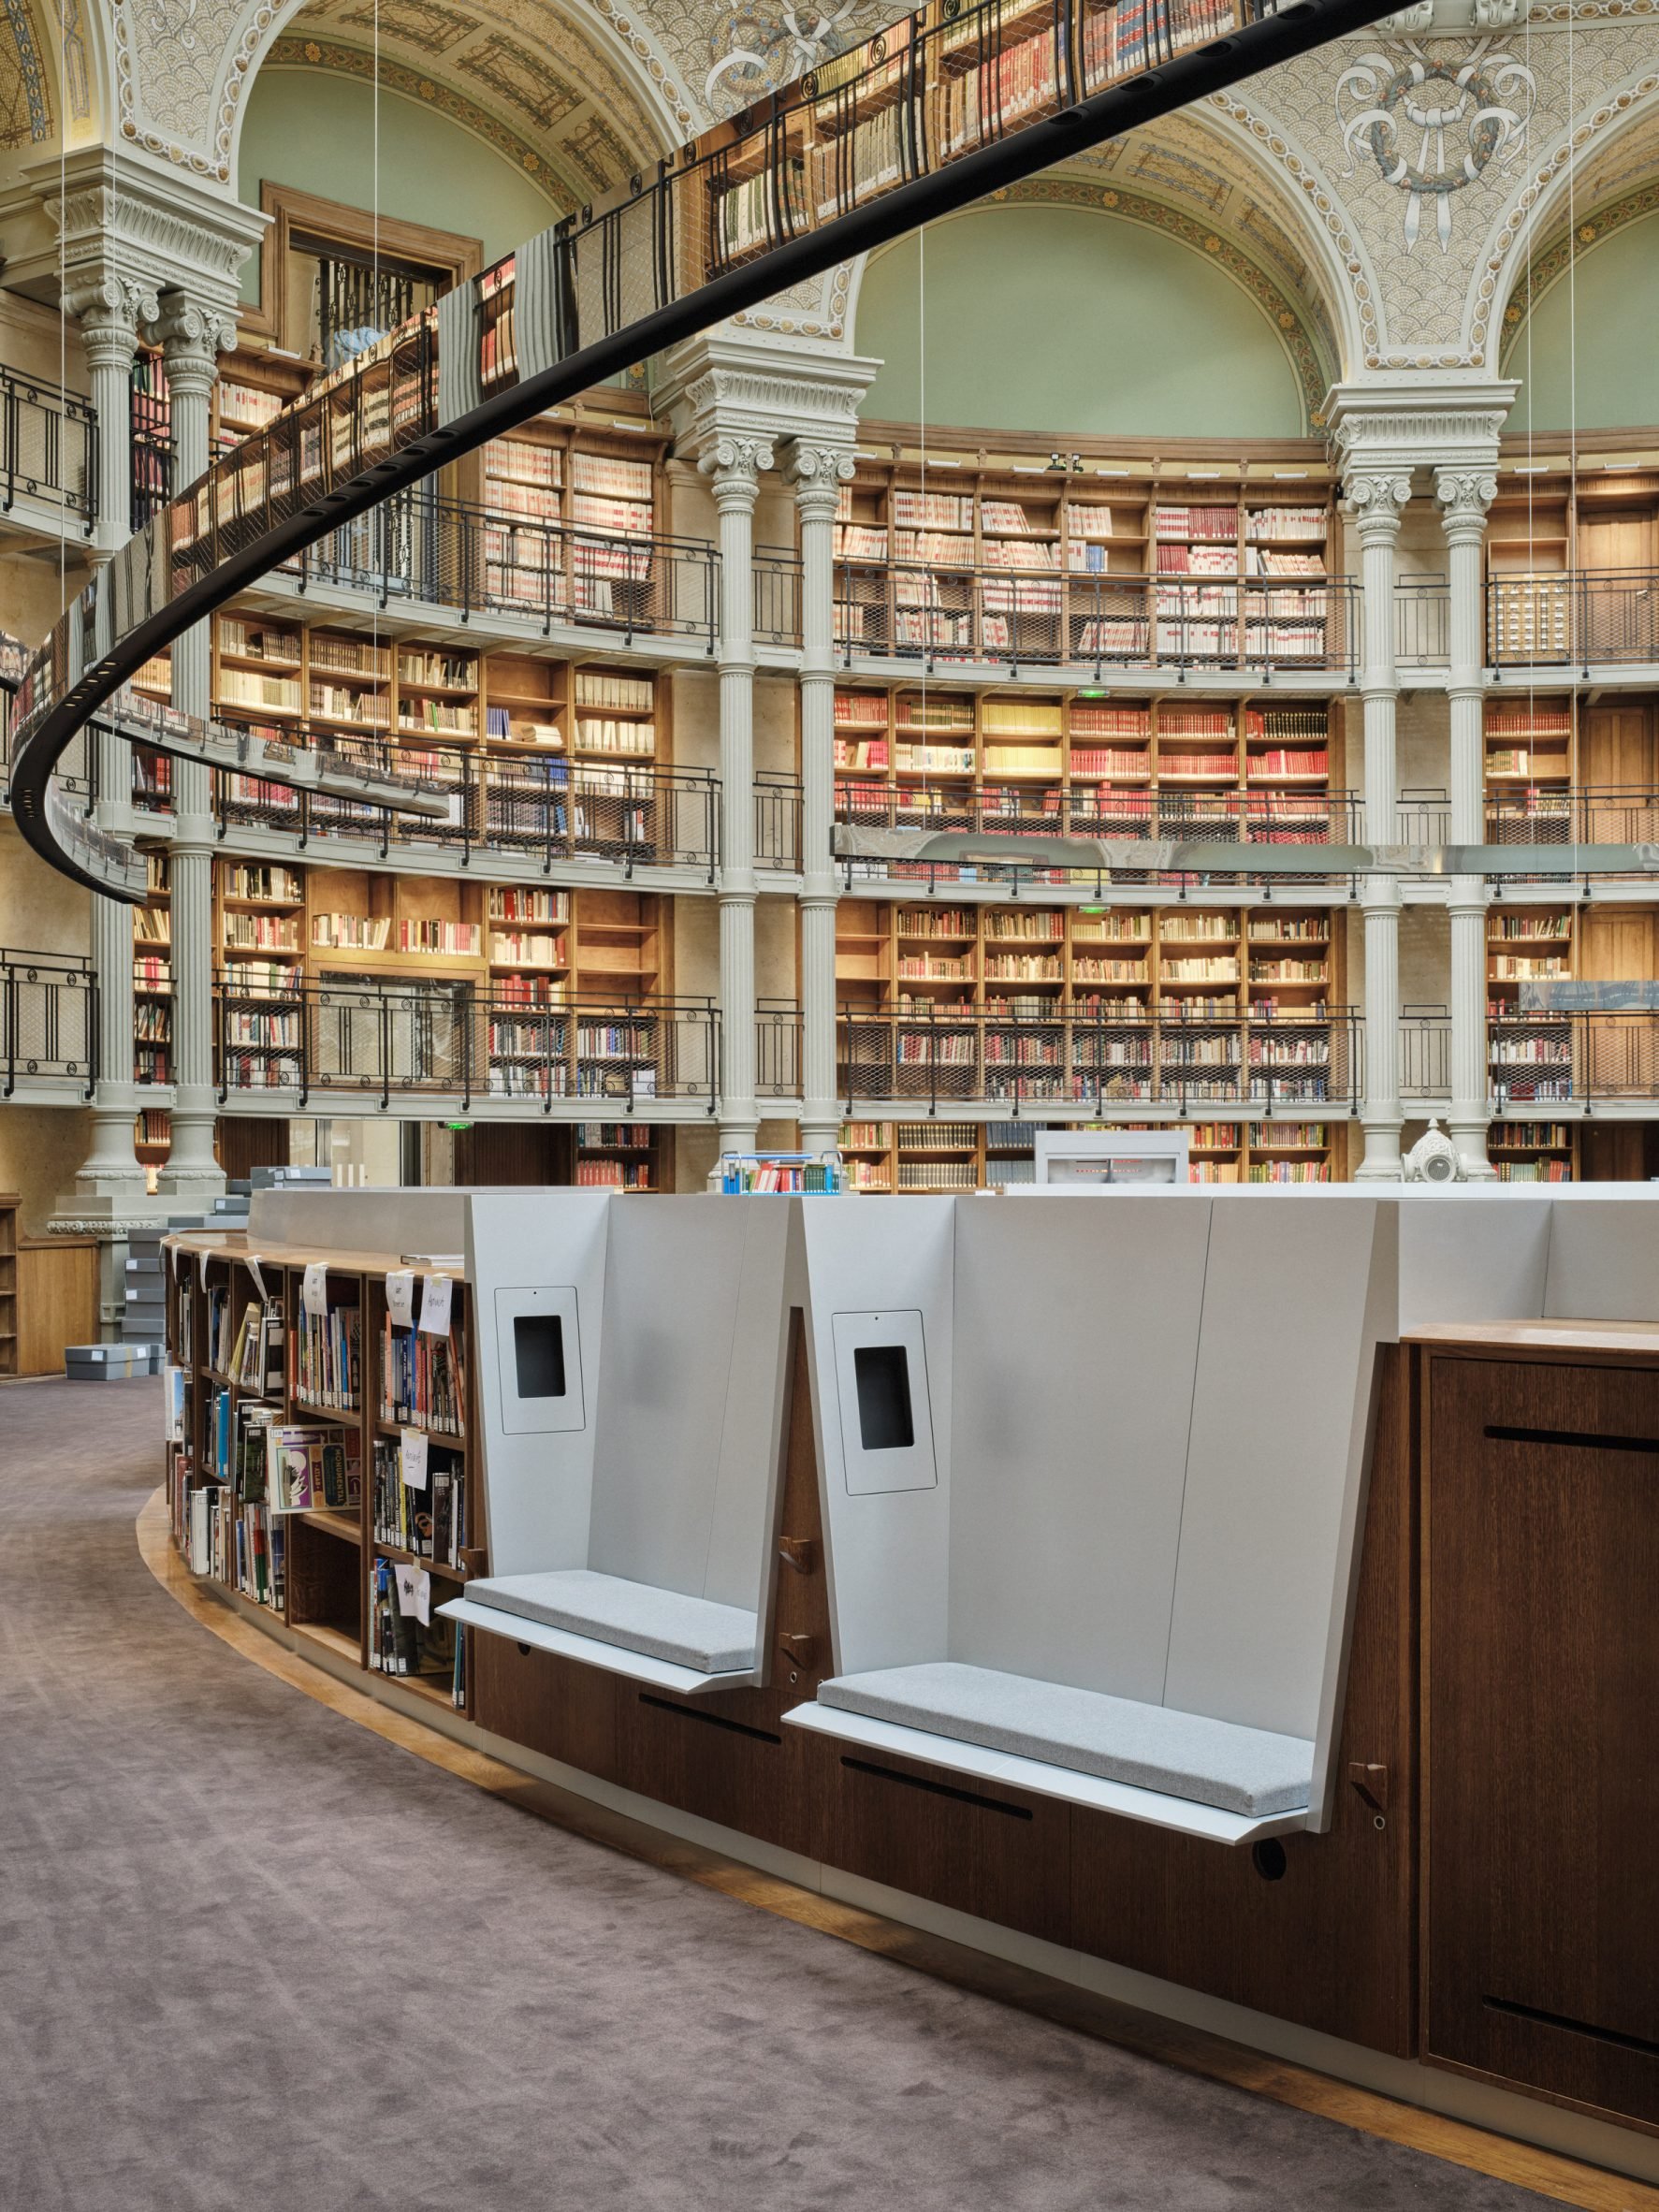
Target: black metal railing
(1587, 619)
(776, 1048)
(891, 610)
(1095, 1052)
(1582, 817)
(48, 1023)
(1425, 1053)
(776, 596)
(1559, 1058)
(777, 803)
(946, 105)
(552, 809)
(416, 547)
(48, 448)
(386, 1039)
(1422, 621)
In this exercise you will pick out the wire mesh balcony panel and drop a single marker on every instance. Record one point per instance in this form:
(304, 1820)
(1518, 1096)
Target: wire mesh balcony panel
(947, 104)
(1098, 1056)
(1573, 1059)
(1592, 618)
(48, 448)
(552, 809)
(891, 610)
(48, 1024)
(382, 1040)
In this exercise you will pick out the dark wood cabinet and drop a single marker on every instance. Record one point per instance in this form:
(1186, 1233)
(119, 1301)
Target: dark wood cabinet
(1541, 1725)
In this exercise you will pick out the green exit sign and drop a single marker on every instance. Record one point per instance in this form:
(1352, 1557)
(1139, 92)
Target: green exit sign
(457, 1126)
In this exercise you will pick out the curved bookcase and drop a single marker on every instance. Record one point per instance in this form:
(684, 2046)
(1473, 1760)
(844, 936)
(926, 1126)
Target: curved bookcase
(949, 104)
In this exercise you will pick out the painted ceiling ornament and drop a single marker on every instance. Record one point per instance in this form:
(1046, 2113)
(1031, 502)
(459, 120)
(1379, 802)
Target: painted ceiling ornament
(766, 47)
(1435, 124)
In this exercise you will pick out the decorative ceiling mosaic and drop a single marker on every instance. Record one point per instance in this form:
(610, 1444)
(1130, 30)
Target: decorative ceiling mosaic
(25, 108)
(520, 74)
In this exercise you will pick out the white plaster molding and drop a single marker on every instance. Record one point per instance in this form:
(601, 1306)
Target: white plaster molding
(140, 225)
(723, 384)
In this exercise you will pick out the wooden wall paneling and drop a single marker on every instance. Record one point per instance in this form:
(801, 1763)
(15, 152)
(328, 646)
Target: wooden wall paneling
(1324, 1932)
(1541, 1682)
(514, 1152)
(554, 1705)
(244, 1142)
(56, 1303)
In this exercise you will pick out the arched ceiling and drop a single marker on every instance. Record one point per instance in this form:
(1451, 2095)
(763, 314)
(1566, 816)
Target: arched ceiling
(1180, 174)
(1617, 188)
(526, 76)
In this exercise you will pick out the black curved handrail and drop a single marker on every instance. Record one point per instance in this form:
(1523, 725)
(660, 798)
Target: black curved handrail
(949, 104)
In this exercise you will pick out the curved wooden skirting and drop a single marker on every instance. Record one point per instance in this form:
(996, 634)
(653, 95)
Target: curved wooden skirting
(1171, 2043)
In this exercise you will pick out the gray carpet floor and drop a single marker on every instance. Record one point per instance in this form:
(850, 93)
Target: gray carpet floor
(251, 1955)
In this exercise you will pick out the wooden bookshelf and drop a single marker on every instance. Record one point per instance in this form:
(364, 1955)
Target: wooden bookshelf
(9, 1205)
(319, 1570)
(1233, 989)
(152, 975)
(909, 755)
(888, 1157)
(1191, 539)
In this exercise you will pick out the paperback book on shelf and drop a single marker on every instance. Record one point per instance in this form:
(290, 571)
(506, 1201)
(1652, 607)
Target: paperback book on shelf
(309, 1467)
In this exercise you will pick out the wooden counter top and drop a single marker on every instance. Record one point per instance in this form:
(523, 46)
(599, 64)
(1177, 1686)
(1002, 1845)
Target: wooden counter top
(1594, 1342)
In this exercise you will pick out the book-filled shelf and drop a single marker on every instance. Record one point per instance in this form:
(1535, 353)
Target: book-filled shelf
(1199, 1008)
(940, 1154)
(1259, 768)
(534, 749)
(507, 983)
(320, 1462)
(1080, 557)
(1567, 555)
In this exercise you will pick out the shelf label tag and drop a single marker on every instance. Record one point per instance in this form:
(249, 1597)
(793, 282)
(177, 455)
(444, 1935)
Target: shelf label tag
(414, 1593)
(414, 1454)
(313, 1294)
(435, 1301)
(399, 1297)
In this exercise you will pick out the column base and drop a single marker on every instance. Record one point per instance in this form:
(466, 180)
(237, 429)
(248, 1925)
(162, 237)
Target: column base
(1381, 1162)
(111, 1170)
(1468, 1134)
(192, 1172)
(821, 1132)
(740, 1136)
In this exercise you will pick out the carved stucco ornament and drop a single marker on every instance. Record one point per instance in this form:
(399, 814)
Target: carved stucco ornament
(1434, 122)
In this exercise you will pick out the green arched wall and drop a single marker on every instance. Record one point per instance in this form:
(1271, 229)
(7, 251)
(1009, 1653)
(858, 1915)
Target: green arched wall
(315, 130)
(1042, 318)
(1614, 298)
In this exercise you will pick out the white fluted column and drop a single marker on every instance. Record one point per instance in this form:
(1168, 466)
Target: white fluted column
(734, 466)
(1464, 495)
(1377, 499)
(109, 312)
(192, 338)
(817, 472)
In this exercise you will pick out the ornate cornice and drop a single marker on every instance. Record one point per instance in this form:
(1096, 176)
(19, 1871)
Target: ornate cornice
(140, 227)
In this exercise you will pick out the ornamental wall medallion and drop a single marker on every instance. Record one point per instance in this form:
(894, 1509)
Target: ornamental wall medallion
(1435, 124)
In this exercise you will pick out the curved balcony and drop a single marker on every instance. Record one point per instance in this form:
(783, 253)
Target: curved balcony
(878, 837)
(946, 105)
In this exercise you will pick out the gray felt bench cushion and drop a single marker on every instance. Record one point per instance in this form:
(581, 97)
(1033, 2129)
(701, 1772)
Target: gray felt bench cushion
(1152, 1747)
(665, 1623)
